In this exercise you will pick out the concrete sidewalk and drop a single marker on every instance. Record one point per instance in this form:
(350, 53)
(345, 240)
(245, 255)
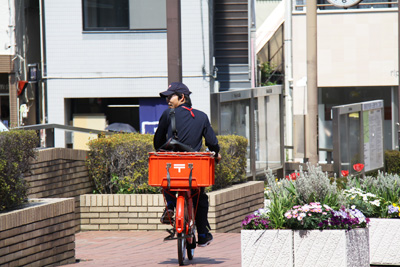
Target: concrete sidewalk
(141, 248)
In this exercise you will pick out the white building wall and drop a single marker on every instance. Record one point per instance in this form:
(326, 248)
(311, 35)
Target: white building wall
(354, 48)
(7, 41)
(119, 64)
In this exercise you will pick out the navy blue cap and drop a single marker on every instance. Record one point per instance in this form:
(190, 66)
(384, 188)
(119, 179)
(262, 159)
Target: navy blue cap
(176, 87)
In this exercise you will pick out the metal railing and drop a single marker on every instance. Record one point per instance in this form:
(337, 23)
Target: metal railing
(47, 139)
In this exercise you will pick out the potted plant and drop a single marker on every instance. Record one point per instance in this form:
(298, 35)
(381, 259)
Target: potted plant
(306, 222)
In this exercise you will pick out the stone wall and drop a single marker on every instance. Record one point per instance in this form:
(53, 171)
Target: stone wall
(228, 207)
(41, 234)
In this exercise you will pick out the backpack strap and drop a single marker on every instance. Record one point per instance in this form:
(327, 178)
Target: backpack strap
(173, 124)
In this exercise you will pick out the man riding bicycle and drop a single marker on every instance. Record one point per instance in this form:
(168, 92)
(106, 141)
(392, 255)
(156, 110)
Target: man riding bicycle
(191, 126)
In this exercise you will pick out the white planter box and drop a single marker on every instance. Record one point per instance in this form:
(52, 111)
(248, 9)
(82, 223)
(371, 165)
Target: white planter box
(335, 248)
(287, 248)
(384, 235)
(267, 248)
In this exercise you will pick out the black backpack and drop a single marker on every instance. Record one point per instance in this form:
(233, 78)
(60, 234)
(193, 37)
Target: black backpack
(172, 143)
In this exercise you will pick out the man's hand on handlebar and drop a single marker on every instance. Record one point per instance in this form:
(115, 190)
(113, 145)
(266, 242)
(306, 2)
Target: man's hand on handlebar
(218, 158)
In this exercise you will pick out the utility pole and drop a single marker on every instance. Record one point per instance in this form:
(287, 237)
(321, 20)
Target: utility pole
(311, 119)
(174, 42)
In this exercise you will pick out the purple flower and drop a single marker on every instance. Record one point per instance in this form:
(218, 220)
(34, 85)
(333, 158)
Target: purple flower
(393, 209)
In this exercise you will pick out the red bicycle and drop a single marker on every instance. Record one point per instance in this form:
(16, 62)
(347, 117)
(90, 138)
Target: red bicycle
(185, 173)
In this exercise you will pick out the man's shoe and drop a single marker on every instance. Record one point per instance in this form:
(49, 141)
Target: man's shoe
(167, 217)
(205, 241)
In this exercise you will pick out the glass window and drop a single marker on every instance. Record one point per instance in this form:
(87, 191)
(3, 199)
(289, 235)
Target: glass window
(235, 119)
(111, 15)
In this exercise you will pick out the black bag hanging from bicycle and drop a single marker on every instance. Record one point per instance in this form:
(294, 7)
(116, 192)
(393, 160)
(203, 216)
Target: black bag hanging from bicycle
(172, 143)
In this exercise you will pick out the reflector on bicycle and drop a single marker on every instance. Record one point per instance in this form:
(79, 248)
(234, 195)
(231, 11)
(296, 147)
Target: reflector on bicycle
(181, 169)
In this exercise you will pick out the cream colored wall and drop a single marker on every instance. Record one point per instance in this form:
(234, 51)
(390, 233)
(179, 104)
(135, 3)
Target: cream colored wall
(354, 48)
(88, 121)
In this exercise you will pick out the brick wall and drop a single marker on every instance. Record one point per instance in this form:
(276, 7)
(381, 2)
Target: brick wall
(60, 173)
(42, 234)
(228, 207)
(122, 212)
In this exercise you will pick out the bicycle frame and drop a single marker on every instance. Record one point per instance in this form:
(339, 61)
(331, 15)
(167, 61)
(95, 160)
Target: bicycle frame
(185, 212)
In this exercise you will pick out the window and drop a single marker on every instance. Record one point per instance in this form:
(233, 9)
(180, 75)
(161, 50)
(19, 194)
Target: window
(114, 15)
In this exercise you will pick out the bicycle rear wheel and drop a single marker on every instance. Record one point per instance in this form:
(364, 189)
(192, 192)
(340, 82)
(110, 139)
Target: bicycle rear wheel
(190, 247)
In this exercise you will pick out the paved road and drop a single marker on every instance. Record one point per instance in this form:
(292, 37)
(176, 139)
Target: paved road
(140, 248)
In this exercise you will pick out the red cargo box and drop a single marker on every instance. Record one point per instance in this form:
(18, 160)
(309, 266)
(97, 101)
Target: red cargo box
(180, 166)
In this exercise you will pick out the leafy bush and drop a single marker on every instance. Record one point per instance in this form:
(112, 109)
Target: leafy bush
(119, 163)
(314, 185)
(392, 161)
(232, 167)
(17, 147)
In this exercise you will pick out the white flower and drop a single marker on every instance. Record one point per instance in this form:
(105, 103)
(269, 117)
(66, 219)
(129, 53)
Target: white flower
(353, 207)
(376, 202)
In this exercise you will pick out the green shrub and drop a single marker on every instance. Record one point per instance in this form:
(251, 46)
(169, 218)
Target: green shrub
(314, 185)
(17, 147)
(392, 161)
(119, 163)
(232, 167)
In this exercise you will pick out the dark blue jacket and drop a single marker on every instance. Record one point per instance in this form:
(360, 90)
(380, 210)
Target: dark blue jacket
(190, 129)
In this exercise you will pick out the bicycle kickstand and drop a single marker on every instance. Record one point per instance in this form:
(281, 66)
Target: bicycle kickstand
(171, 234)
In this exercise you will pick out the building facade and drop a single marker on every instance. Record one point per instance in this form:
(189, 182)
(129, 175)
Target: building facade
(7, 51)
(114, 66)
(357, 61)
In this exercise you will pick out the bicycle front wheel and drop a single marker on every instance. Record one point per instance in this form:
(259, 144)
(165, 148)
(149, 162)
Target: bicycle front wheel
(181, 248)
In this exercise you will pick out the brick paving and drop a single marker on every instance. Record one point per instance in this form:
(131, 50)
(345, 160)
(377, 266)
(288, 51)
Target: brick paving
(141, 248)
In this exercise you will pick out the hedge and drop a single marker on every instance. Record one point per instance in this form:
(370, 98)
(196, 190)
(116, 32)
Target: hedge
(232, 168)
(17, 147)
(119, 163)
(392, 161)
